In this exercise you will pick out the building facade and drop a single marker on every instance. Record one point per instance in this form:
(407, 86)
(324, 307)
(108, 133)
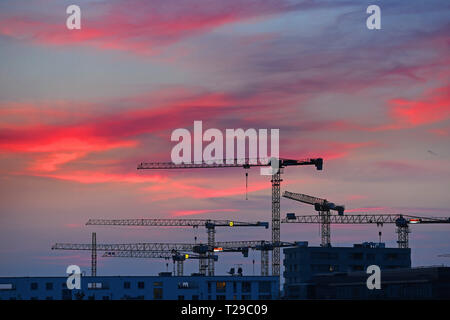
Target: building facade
(301, 263)
(413, 283)
(163, 287)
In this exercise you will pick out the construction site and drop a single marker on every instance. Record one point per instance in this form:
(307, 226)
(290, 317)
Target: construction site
(309, 272)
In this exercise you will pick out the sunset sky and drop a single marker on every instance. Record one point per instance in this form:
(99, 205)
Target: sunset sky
(79, 109)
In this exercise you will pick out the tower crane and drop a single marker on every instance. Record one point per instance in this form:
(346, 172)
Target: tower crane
(200, 249)
(322, 206)
(277, 169)
(208, 223)
(177, 257)
(401, 221)
(262, 246)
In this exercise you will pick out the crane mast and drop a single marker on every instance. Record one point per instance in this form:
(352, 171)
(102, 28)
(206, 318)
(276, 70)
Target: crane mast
(247, 163)
(94, 255)
(322, 206)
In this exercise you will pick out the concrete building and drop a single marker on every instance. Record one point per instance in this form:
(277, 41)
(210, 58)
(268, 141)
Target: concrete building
(163, 287)
(413, 283)
(301, 263)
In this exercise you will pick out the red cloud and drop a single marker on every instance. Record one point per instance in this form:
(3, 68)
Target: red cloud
(90, 177)
(188, 189)
(57, 144)
(137, 25)
(432, 108)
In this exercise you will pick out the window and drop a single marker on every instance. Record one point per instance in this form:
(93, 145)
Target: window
(391, 256)
(209, 287)
(6, 286)
(245, 297)
(49, 286)
(95, 285)
(157, 284)
(195, 297)
(34, 286)
(334, 268)
(141, 285)
(66, 294)
(264, 286)
(234, 287)
(246, 286)
(127, 285)
(221, 286)
(220, 297)
(320, 267)
(357, 256)
(180, 297)
(157, 293)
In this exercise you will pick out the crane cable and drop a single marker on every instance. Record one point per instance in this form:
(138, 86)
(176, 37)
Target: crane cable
(246, 185)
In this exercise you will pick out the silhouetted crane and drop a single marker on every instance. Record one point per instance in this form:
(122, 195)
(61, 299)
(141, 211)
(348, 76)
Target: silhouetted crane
(279, 164)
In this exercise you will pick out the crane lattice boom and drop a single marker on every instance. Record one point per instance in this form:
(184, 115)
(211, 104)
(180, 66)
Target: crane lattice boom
(365, 219)
(175, 222)
(231, 163)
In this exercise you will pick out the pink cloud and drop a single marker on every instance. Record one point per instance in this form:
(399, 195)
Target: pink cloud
(432, 107)
(352, 197)
(371, 210)
(90, 177)
(139, 26)
(182, 213)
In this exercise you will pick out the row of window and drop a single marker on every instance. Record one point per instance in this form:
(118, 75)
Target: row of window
(220, 286)
(353, 255)
(180, 297)
(126, 285)
(246, 286)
